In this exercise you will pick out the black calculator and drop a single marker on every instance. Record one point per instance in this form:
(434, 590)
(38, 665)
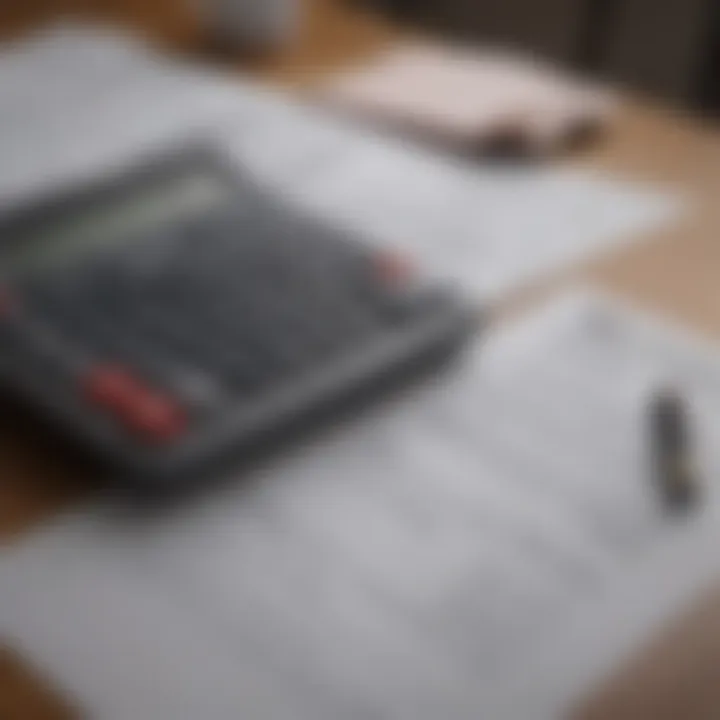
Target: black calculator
(175, 314)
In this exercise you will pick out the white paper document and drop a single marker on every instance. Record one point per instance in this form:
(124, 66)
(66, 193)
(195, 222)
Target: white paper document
(493, 227)
(488, 545)
(78, 102)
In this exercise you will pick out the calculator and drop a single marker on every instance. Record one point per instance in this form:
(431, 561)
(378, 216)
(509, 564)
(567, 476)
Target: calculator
(175, 314)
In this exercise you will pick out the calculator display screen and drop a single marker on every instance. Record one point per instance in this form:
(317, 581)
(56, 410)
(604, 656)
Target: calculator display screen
(124, 216)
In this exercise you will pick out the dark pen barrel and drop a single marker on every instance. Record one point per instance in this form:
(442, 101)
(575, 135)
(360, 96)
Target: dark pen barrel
(673, 463)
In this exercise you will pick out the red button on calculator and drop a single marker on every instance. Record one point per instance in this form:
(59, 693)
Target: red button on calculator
(144, 411)
(154, 418)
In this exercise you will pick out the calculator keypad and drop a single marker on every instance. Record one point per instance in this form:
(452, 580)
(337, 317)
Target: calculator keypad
(223, 308)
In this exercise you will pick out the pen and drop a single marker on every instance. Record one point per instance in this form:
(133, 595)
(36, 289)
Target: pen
(673, 463)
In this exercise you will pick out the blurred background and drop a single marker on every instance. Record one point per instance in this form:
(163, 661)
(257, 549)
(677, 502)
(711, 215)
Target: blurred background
(668, 49)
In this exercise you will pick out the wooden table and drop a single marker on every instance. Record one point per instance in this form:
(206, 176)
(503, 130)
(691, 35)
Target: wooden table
(675, 273)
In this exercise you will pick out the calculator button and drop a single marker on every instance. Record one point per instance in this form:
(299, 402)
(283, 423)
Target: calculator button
(7, 303)
(145, 412)
(110, 386)
(154, 417)
(393, 267)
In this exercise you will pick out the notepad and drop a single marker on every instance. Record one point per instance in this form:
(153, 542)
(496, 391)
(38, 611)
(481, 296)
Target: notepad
(469, 98)
(490, 545)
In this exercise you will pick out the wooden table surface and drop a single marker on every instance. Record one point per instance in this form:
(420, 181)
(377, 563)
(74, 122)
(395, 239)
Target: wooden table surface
(674, 273)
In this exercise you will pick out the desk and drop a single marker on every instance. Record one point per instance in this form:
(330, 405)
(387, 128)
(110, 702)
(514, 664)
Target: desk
(674, 275)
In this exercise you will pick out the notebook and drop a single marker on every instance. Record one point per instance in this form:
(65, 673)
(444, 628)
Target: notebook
(472, 99)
